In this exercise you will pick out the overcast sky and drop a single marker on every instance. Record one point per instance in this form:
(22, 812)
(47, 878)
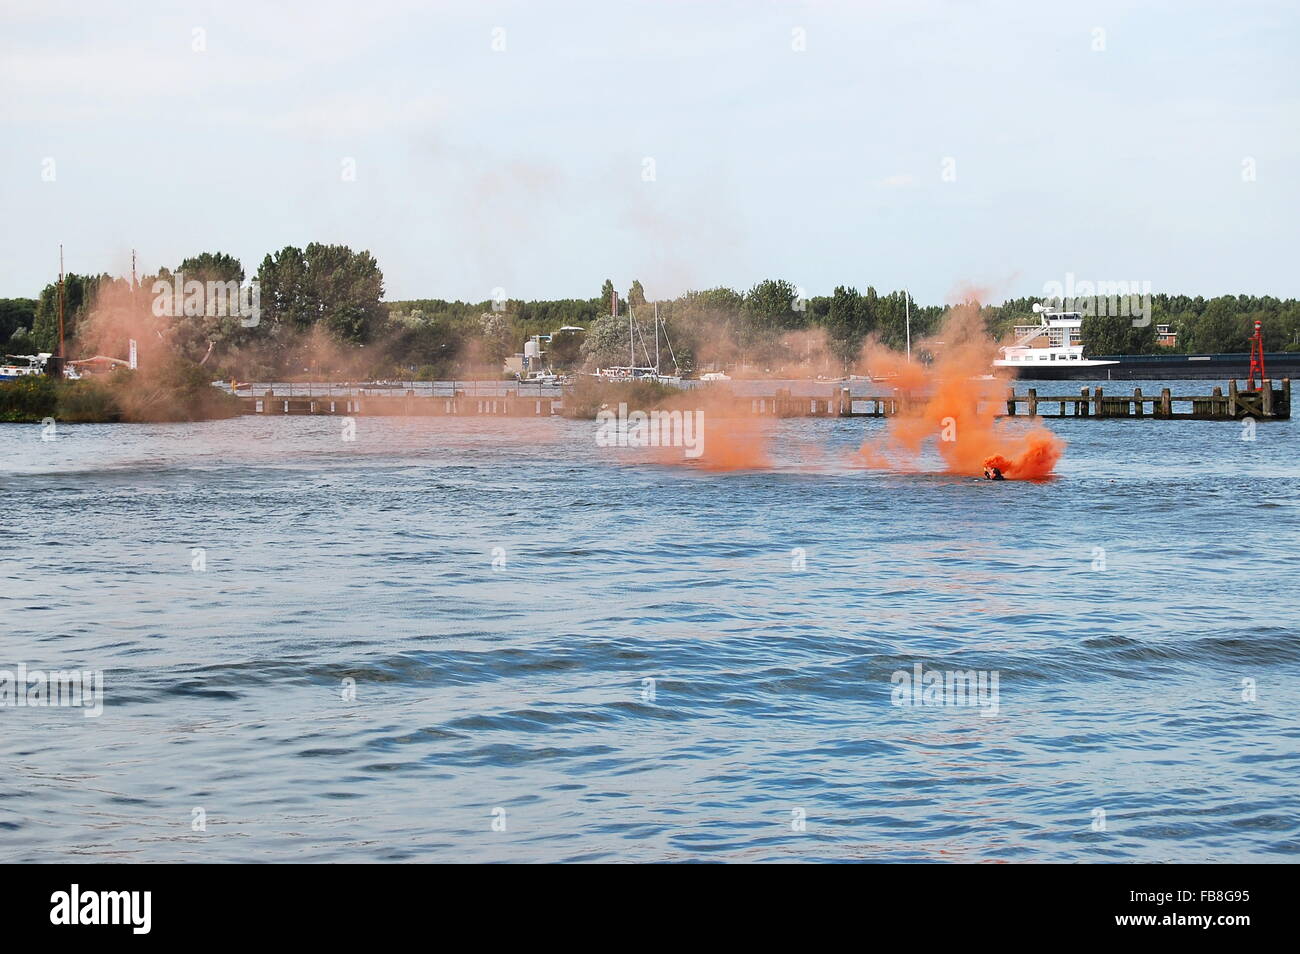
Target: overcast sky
(542, 147)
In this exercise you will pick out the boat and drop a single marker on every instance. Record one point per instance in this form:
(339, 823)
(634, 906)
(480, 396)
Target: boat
(1060, 356)
(35, 367)
(715, 376)
(545, 378)
(632, 371)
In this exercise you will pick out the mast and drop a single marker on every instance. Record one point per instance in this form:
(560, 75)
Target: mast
(60, 304)
(907, 308)
(656, 337)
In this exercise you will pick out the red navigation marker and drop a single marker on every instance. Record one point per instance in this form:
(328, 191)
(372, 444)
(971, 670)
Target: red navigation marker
(1256, 359)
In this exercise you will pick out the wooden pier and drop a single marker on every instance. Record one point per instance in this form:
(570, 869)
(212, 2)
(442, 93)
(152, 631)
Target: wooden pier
(1262, 404)
(408, 404)
(1265, 403)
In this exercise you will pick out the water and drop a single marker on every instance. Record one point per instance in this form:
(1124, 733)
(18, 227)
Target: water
(519, 693)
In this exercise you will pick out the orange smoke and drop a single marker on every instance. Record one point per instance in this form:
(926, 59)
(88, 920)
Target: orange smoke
(954, 401)
(734, 443)
(733, 438)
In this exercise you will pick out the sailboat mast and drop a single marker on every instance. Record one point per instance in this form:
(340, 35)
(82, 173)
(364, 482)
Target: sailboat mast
(907, 308)
(60, 302)
(656, 337)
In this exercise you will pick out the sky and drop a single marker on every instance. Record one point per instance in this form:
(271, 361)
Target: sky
(540, 148)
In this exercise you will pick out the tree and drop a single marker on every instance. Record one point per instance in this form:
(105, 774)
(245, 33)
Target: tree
(196, 336)
(494, 327)
(607, 294)
(78, 293)
(606, 343)
(287, 304)
(212, 266)
(566, 349)
(845, 324)
(1217, 330)
(326, 286)
(770, 307)
(15, 314)
(636, 295)
(1116, 334)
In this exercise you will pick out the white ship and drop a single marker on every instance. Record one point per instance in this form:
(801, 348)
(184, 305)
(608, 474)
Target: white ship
(1050, 349)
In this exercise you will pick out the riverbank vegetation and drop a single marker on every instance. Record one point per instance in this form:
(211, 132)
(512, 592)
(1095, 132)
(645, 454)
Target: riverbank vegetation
(322, 316)
(590, 395)
(179, 392)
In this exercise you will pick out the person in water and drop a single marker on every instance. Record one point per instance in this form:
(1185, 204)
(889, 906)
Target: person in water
(992, 473)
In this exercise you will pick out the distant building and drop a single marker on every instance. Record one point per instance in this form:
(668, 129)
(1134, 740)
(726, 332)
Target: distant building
(1166, 337)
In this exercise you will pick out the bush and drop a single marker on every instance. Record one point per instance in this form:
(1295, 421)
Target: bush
(590, 394)
(29, 399)
(180, 391)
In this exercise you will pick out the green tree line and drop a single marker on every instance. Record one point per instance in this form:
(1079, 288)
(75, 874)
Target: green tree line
(322, 313)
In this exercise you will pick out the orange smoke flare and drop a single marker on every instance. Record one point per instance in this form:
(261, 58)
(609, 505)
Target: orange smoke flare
(955, 401)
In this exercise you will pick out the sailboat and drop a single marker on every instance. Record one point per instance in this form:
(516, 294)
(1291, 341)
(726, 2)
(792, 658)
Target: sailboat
(645, 372)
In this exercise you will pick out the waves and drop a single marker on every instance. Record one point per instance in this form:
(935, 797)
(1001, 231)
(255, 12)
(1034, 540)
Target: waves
(641, 663)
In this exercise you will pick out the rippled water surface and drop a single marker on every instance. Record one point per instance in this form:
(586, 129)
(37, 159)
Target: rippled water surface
(770, 609)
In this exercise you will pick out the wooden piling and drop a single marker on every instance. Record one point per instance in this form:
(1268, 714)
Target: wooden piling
(1166, 403)
(1081, 408)
(1138, 409)
(1097, 405)
(1266, 403)
(1033, 402)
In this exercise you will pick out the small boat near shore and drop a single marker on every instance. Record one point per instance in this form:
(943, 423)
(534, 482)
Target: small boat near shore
(36, 366)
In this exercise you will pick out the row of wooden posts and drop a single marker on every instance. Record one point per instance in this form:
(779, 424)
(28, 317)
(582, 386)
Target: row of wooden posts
(1263, 403)
(406, 405)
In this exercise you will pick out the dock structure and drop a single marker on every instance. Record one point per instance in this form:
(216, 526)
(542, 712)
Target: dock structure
(407, 404)
(1266, 402)
(1262, 404)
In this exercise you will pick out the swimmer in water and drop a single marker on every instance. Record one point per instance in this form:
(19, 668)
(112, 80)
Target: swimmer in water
(992, 473)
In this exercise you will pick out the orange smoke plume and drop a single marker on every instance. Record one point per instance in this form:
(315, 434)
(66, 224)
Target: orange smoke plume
(954, 401)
